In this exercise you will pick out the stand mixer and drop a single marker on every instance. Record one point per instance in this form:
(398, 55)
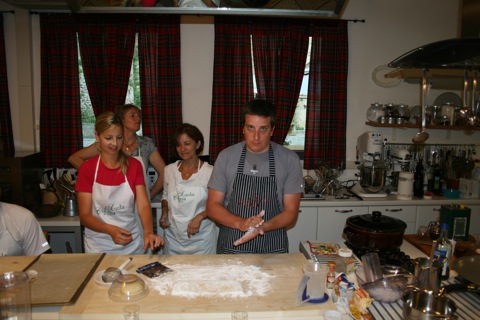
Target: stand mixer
(372, 167)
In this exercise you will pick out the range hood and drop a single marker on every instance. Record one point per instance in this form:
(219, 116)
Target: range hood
(281, 8)
(445, 63)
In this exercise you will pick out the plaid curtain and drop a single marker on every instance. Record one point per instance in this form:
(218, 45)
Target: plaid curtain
(280, 50)
(232, 84)
(325, 138)
(6, 131)
(107, 44)
(60, 115)
(160, 78)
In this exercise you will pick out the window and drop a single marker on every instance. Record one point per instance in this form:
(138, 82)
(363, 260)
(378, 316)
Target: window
(88, 117)
(295, 139)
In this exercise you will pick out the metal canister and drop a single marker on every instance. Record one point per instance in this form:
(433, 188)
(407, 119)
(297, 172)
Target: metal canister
(448, 111)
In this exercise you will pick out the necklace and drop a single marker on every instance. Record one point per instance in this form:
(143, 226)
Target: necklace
(187, 172)
(127, 146)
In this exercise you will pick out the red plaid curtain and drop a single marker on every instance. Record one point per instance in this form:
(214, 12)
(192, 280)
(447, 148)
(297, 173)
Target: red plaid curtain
(6, 131)
(60, 115)
(232, 84)
(107, 44)
(279, 51)
(325, 138)
(160, 78)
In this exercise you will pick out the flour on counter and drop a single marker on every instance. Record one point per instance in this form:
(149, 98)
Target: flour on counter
(221, 281)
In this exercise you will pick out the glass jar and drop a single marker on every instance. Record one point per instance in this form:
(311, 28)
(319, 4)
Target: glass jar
(345, 261)
(448, 111)
(375, 112)
(331, 274)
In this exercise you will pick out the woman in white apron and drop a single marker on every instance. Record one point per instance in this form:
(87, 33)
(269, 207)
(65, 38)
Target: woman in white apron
(133, 145)
(107, 187)
(187, 229)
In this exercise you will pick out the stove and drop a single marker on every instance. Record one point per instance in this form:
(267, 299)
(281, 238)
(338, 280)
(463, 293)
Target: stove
(394, 256)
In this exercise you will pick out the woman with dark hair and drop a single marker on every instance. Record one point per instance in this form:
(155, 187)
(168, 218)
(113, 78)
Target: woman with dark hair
(187, 228)
(108, 186)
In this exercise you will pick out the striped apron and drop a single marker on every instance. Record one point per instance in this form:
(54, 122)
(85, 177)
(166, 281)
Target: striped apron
(250, 195)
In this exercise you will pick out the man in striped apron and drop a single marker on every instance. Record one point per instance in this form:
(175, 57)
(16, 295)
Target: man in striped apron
(255, 188)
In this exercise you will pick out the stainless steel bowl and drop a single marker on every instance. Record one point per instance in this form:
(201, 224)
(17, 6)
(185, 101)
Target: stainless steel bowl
(425, 305)
(372, 176)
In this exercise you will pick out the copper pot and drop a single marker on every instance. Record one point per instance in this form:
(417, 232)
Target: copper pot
(374, 231)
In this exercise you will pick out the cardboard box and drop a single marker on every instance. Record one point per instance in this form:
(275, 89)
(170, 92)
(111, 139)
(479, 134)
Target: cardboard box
(470, 188)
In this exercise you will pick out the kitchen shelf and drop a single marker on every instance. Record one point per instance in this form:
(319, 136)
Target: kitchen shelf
(418, 126)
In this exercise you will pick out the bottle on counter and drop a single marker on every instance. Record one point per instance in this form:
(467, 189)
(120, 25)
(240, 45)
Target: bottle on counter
(345, 262)
(331, 274)
(435, 183)
(418, 180)
(443, 251)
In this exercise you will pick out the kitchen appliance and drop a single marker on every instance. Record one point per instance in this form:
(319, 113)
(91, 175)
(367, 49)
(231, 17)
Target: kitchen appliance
(458, 219)
(469, 188)
(372, 167)
(374, 231)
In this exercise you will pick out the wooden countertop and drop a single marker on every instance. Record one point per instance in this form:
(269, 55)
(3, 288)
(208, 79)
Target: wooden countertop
(94, 303)
(286, 269)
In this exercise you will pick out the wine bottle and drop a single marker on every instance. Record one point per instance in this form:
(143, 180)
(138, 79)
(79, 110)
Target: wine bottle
(443, 251)
(418, 180)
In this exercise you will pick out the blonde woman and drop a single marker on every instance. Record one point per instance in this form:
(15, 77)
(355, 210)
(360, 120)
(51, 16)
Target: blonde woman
(108, 185)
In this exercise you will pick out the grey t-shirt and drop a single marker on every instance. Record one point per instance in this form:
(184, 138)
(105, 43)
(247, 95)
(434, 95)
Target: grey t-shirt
(147, 147)
(288, 170)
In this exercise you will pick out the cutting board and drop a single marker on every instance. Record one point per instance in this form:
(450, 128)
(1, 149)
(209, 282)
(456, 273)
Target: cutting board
(61, 278)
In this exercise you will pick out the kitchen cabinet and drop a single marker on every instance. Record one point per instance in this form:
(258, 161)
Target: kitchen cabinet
(425, 214)
(331, 221)
(305, 228)
(408, 214)
(474, 219)
(20, 177)
(65, 233)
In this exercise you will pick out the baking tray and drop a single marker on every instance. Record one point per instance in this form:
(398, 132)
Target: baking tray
(61, 278)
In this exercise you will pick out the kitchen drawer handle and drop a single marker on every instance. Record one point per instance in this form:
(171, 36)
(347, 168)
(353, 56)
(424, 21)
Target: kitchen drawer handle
(343, 211)
(394, 210)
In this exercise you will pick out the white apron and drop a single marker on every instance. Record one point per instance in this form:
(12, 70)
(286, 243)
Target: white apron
(187, 199)
(113, 205)
(137, 216)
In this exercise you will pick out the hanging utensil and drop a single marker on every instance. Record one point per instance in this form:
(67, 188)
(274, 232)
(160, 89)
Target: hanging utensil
(423, 135)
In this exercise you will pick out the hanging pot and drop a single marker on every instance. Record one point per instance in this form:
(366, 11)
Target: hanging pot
(374, 231)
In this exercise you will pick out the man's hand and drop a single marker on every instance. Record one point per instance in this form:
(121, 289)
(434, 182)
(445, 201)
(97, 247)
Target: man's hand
(252, 232)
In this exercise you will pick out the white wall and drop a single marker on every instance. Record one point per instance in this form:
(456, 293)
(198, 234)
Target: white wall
(392, 28)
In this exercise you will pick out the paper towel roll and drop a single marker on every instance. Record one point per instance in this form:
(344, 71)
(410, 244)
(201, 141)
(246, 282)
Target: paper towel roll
(405, 186)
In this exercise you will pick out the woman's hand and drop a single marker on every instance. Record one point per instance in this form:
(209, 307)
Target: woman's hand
(119, 236)
(194, 225)
(163, 222)
(152, 241)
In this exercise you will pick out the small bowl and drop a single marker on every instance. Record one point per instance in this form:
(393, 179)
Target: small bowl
(127, 287)
(451, 193)
(390, 288)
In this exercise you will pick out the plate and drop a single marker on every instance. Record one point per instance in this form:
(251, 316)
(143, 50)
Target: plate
(322, 248)
(448, 97)
(378, 76)
(100, 282)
